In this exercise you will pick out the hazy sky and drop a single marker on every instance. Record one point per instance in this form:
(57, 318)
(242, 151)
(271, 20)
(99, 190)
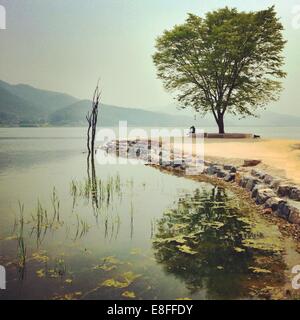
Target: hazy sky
(64, 45)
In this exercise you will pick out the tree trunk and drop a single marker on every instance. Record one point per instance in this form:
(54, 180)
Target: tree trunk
(221, 124)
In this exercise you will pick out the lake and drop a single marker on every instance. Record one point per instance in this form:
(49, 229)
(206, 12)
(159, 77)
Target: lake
(69, 231)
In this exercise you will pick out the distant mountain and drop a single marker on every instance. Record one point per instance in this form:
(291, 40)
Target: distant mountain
(45, 102)
(14, 110)
(74, 114)
(266, 118)
(25, 105)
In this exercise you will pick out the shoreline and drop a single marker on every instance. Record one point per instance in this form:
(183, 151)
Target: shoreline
(287, 228)
(258, 191)
(279, 157)
(269, 186)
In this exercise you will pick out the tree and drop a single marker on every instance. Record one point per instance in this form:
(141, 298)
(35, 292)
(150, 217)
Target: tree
(92, 118)
(229, 61)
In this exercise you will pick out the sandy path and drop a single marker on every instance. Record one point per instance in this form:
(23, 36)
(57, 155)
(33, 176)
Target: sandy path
(281, 157)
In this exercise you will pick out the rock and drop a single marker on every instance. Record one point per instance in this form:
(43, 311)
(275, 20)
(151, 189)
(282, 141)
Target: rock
(275, 183)
(229, 167)
(221, 174)
(166, 164)
(230, 177)
(294, 216)
(210, 170)
(263, 195)
(256, 189)
(205, 170)
(214, 169)
(284, 190)
(251, 162)
(284, 210)
(176, 165)
(131, 143)
(258, 173)
(177, 168)
(295, 193)
(218, 168)
(252, 182)
(273, 203)
(184, 166)
(268, 179)
(243, 181)
(248, 182)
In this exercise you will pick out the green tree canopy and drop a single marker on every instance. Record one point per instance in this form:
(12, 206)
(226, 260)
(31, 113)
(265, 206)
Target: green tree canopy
(229, 61)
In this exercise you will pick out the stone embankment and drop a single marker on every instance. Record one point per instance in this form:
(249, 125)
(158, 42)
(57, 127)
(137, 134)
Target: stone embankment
(275, 194)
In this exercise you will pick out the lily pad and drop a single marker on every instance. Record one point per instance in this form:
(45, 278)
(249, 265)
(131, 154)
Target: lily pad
(114, 283)
(186, 249)
(128, 294)
(238, 249)
(123, 281)
(259, 270)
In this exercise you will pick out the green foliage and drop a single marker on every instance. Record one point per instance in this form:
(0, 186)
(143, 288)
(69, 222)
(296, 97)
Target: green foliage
(228, 61)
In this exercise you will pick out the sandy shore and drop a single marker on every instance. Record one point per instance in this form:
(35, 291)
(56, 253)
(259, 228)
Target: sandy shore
(279, 157)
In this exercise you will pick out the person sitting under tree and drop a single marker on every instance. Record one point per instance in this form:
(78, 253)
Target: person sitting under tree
(192, 130)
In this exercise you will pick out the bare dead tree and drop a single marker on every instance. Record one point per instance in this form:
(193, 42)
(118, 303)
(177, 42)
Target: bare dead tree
(92, 118)
(95, 117)
(89, 120)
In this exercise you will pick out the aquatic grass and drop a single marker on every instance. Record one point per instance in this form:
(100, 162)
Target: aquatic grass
(73, 188)
(87, 189)
(131, 220)
(108, 192)
(73, 193)
(102, 192)
(42, 221)
(111, 225)
(118, 222)
(106, 227)
(21, 243)
(117, 183)
(55, 204)
(82, 228)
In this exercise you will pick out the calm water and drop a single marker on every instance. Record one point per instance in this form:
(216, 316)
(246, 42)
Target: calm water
(123, 231)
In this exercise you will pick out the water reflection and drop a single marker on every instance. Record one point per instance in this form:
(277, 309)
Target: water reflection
(208, 244)
(89, 238)
(104, 195)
